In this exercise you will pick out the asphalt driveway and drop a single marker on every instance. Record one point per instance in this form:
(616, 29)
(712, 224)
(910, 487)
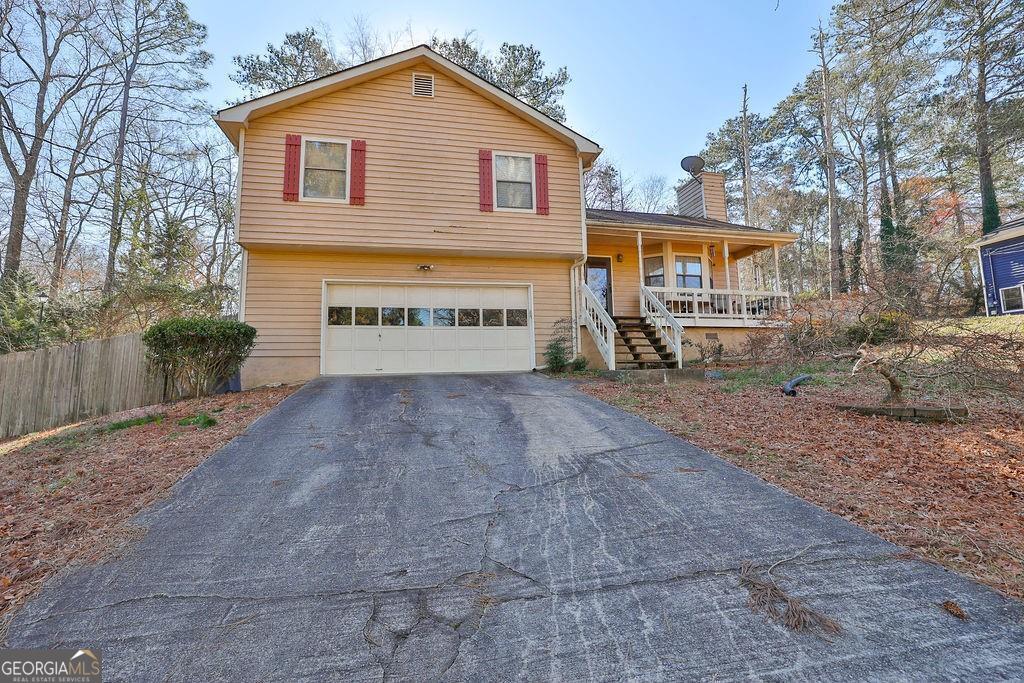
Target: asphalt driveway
(494, 528)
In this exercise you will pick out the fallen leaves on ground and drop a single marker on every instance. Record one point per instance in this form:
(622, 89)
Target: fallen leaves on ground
(67, 495)
(952, 492)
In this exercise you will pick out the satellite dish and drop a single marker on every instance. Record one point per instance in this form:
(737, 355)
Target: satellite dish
(692, 165)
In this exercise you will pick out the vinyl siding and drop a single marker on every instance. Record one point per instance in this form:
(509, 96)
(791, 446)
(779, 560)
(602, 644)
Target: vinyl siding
(714, 196)
(689, 200)
(422, 190)
(283, 293)
(1004, 267)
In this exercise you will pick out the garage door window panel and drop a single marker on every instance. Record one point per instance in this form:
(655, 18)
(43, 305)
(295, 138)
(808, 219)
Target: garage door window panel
(339, 315)
(494, 317)
(419, 317)
(469, 317)
(444, 317)
(516, 317)
(365, 315)
(392, 316)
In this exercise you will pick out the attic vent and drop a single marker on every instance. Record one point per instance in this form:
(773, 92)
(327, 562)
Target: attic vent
(423, 85)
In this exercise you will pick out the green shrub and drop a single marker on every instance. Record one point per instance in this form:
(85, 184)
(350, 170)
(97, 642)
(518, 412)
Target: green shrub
(557, 354)
(202, 420)
(197, 354)
(134, 422)
(888, 326)
(579, 363)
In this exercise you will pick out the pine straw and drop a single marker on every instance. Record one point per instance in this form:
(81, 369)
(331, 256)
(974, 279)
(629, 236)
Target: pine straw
(953, 493)
(67, 495)
(767, 598)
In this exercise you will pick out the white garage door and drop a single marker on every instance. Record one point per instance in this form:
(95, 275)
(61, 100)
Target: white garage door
(372, 329)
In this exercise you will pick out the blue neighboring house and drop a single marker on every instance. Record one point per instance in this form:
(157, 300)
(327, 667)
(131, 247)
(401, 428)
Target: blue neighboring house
(1001, 255)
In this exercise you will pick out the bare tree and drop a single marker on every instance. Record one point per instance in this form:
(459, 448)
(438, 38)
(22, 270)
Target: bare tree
(748, 206)
(837, 275)
(653, 194)
(50, 56)
(158, 55)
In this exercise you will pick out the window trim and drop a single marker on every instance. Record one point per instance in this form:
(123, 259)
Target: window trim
(1002, 301)
(533, 180)
(302, 169)
(647, 276)
(676, 256)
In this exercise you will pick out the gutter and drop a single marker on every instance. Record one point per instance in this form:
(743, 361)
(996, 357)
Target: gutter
(786, 237)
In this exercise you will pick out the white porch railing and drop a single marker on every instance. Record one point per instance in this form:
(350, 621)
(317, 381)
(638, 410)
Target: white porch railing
(600, 324)
(669, 329)
(738, 306)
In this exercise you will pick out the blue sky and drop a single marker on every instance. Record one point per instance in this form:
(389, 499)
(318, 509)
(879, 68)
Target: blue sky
(650, 80)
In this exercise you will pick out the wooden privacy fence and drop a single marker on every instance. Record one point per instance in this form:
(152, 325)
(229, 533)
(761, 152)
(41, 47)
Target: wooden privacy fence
(63, 384)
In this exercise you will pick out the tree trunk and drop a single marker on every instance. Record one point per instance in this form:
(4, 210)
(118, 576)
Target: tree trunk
(867, 251)
(114, 238)
(61, 238)
(748, 212)
(837, 274)
(989, 202)
(16, 232)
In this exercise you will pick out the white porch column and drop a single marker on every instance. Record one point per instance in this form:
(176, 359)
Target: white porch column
(725, 256)
(778, 276)
(667, 257)
(640, 255)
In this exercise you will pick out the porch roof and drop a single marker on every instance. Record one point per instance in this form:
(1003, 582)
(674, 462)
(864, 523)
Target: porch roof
(684, 225)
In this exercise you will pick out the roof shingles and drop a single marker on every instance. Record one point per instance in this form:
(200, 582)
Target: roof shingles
(664, 220)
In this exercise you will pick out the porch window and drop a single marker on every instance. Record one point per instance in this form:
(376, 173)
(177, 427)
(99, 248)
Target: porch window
(654, 271)
(1012, 298)
(689, 272)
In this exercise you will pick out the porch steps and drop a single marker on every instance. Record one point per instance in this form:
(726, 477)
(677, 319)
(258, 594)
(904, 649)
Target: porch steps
(638, 347)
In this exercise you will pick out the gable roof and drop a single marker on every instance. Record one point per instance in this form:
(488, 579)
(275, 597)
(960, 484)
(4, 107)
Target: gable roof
(1006, 231)
(672, 221)
(234, 118)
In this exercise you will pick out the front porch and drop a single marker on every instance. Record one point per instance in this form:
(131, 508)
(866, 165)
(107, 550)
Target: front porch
(676, 285)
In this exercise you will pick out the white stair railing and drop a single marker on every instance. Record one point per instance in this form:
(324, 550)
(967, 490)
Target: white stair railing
(668, 327)
(600, 324)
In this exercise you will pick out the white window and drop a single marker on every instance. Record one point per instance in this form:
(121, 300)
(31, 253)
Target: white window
(325, 169)
(654, 271)
(689, 272)
(513, 181)
(1012, 298)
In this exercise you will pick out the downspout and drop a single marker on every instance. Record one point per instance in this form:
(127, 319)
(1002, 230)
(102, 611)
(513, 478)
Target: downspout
(575, 270)
(238, 222)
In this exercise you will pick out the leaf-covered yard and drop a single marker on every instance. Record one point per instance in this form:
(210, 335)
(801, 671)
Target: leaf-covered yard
(954, 493)
(68, 495)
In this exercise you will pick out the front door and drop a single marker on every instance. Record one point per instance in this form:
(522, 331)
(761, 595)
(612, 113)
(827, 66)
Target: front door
(599, 279)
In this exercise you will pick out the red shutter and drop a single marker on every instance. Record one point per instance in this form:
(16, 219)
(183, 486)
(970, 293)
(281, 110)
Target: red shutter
(357, 183)
(486, 181)
(292, 156)
(541, 163)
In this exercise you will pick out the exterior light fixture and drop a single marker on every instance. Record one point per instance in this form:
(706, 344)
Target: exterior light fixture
(618, 258)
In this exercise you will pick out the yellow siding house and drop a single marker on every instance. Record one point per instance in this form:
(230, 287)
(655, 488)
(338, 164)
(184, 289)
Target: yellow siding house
(406, 216)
